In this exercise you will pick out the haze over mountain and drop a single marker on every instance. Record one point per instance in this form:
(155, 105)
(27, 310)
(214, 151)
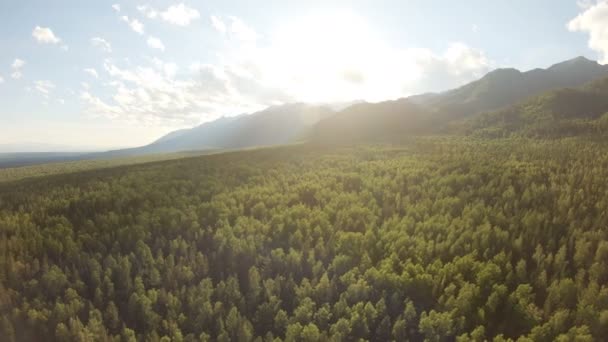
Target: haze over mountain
(37, 147)
(504, 87)
(272, 126)
(429, 113)
(376, 121)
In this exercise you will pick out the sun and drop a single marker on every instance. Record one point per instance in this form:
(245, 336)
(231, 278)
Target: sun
(333, 56)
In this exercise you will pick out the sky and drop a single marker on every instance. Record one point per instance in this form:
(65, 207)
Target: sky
(105, 74)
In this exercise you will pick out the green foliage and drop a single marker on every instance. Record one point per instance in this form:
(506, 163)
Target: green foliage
(442, 239)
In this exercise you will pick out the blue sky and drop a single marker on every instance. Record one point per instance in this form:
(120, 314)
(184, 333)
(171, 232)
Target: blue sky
(102, 74)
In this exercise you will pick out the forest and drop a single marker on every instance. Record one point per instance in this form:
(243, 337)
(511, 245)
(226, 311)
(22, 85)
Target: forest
(437, 239)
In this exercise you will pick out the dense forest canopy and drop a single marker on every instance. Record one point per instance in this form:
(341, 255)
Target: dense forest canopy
(439, 239)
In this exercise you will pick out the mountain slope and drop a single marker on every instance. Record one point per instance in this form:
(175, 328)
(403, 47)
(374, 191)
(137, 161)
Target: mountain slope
(431, 113)
(372, 122)
(561, 112)
(272, 126)
(504, 87)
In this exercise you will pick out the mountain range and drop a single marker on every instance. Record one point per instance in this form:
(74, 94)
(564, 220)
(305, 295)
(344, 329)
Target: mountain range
(503, 102)
(383, 121)
(273, 126)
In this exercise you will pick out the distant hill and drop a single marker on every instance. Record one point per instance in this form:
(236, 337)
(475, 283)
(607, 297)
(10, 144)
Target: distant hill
(272, 126)
(557, 113)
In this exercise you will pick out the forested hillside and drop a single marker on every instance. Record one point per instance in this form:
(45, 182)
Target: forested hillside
(389, 121)
(441, 239)
(558, 113)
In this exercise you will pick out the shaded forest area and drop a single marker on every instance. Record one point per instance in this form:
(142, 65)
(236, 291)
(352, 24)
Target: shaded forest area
(442, 239)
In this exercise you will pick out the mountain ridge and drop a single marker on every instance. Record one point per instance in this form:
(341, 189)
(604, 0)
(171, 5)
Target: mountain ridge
(427, 113)
(430, 113)
(272, 126)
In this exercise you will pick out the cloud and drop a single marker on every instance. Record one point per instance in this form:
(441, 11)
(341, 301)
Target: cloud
(61, 101)
(242, 31)
(180, 15)
(44, 87)
(155, 43)
(235, 28)
(97, 106)
(91, 72)
(594, 21)
(147, 11)
(218, 24)
(155, 95)
(319, 60)
(45, 35)
(116, 7)
(338, 57)
(17, 65)
(1, 80)
(135, 24)
(101, 44)
(457, 65)
(585, 4)
(168, 69)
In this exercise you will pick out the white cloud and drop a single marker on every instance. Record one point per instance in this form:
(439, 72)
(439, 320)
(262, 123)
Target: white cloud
(155, 95)
(169, 69)
(218, 24)
(135, 24)
(116, 7)
(1, 80)
(61, 101)
(235, 28)
(45, 35)
(91, 72)
(44, 87)
(338, 57)
(320, 59)
(98, 106)
(180, 15)
(149, 12)
(17, 65)
(585, 4)
(241, 31)
(457, 65)
(155, 43)
(594, 21)
(101, 44)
